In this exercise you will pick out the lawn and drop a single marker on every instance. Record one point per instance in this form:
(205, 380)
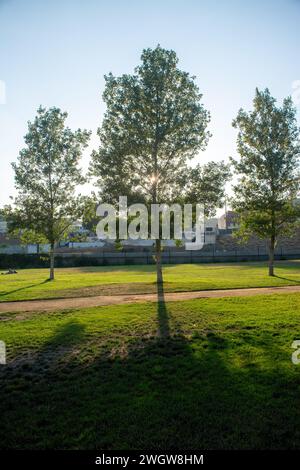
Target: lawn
(74, 282)
(201, 374)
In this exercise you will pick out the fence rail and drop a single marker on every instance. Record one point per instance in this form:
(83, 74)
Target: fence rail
(105, 258)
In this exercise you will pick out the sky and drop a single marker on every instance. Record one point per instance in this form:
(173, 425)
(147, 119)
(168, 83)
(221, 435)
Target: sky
(56, 53)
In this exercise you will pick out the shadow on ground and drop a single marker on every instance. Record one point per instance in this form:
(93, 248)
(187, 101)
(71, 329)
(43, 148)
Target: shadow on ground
(24, 288)
(287, 279)
(171, 391)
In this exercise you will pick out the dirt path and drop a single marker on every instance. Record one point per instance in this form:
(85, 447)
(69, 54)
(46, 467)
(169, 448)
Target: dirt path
(82, 302)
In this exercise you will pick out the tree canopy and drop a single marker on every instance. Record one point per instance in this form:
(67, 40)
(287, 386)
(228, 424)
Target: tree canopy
(268, 169)
(47, 175)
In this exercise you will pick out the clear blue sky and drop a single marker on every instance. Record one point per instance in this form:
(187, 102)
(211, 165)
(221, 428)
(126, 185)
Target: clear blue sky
(56, 52)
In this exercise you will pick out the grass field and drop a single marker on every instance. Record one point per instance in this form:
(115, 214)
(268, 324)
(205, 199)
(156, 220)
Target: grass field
(75, 282)
(214, 373)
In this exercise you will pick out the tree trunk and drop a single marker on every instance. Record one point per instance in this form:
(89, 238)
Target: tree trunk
(52, 255)
(159, 276)
(271, 255)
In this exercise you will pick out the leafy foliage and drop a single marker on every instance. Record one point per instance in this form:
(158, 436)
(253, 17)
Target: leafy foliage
(269, 179)
(47, 175)
(206, 185)
(153, 125)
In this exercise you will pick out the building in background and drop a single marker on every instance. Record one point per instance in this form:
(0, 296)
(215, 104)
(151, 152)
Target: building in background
(211, 231)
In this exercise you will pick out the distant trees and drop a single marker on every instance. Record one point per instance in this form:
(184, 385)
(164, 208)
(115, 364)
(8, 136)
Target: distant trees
(89, 216)
(154, 124)
(29, 236)
(265, 196)
(206, 185)
(47, 174)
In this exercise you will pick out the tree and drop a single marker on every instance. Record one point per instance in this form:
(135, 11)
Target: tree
(47, 174)
(265, 196)
(154, 124)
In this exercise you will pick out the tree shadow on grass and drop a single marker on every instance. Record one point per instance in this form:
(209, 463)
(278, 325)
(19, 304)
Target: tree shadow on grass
(163, 392)
(24, 288)
(295, 281)
(162, 313)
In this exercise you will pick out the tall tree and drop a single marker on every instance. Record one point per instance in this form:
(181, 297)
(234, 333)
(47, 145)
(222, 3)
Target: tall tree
(154, 124)
(47, 174)
(265, 196)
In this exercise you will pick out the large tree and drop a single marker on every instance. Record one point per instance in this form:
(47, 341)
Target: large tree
(47, 175)
(265, 196)
(154, 124)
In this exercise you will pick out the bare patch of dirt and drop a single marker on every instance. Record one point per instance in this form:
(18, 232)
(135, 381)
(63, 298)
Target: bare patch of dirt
(104, 300)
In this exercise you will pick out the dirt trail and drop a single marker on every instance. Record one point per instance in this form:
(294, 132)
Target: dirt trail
(82, 302)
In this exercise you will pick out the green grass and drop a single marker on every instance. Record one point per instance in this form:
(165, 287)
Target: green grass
(214, 373)
(74, 282)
